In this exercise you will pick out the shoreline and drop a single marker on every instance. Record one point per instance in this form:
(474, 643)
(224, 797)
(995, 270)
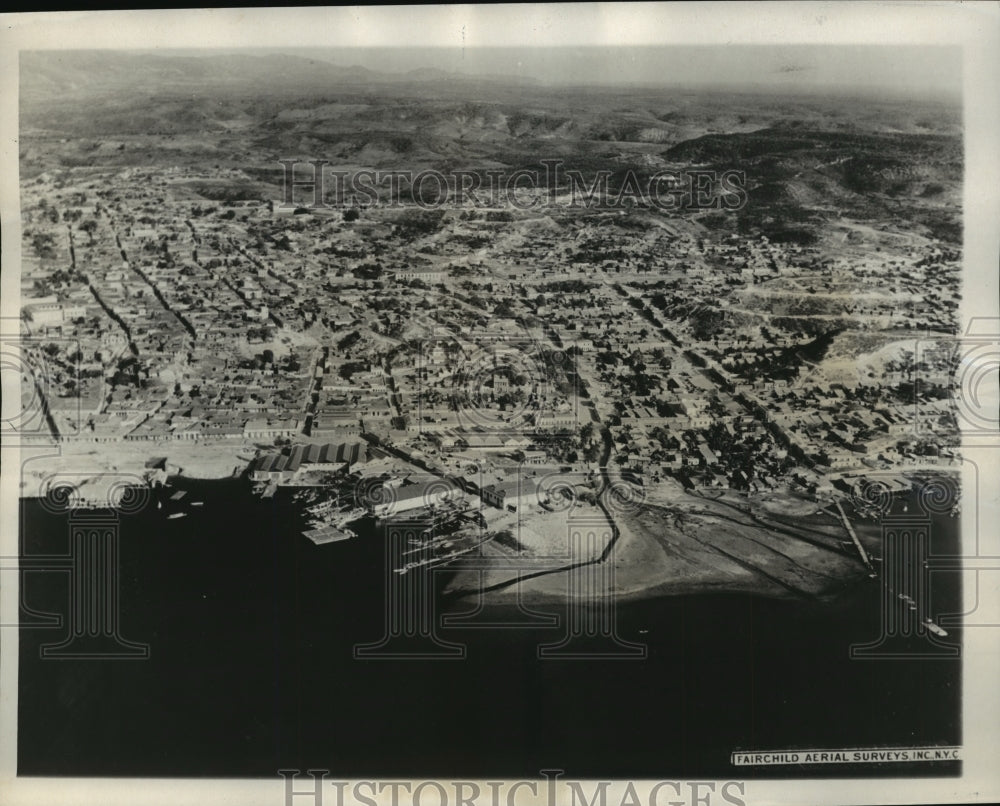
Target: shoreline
(82, 463)
(508, 598)
(761, 546)
(778, 546)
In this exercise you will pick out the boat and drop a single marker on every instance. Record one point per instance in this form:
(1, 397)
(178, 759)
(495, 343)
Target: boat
(197, 503)
(934, 628)
(175, 515)
(323, 506)
(342, 518)
(432, 558)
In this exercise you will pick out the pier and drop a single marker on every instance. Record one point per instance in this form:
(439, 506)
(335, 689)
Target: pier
(328, 534)
(854, 536)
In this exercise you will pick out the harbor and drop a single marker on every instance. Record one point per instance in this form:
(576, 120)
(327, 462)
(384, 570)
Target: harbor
(235, 582)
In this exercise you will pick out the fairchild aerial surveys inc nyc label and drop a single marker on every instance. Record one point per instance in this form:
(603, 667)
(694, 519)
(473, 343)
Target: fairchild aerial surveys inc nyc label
(857, 755)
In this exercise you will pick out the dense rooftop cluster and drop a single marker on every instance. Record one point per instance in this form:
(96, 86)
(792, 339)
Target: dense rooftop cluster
(539, 336)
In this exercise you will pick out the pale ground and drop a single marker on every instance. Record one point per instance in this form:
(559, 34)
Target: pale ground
(551, 540)
(673, 542)
(78, 460)
(775, 543)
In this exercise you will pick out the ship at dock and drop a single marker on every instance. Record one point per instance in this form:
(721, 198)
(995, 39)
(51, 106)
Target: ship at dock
(444, 532)
(903, 572)
(330, 521)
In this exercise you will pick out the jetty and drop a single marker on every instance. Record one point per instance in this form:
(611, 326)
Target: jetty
(854, 536)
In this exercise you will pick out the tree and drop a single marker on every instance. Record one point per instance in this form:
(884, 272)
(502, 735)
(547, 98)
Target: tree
(44, 244)
(90, 227)
(706, 322)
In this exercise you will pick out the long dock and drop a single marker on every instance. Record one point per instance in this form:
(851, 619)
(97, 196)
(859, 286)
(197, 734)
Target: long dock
(854, 536)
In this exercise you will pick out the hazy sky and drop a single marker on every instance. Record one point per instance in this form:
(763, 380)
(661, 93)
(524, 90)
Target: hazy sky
(895, 68)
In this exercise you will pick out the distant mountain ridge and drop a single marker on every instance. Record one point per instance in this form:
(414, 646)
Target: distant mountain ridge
(805, 160)
(47, 73)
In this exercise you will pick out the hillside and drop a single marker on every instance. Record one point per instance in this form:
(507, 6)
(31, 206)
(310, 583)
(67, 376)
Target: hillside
(807, 160)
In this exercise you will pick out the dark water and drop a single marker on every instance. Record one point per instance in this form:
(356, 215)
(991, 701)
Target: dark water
(251, 629)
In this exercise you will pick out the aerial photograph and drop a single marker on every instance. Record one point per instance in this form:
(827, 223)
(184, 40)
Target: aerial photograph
(476, 412)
